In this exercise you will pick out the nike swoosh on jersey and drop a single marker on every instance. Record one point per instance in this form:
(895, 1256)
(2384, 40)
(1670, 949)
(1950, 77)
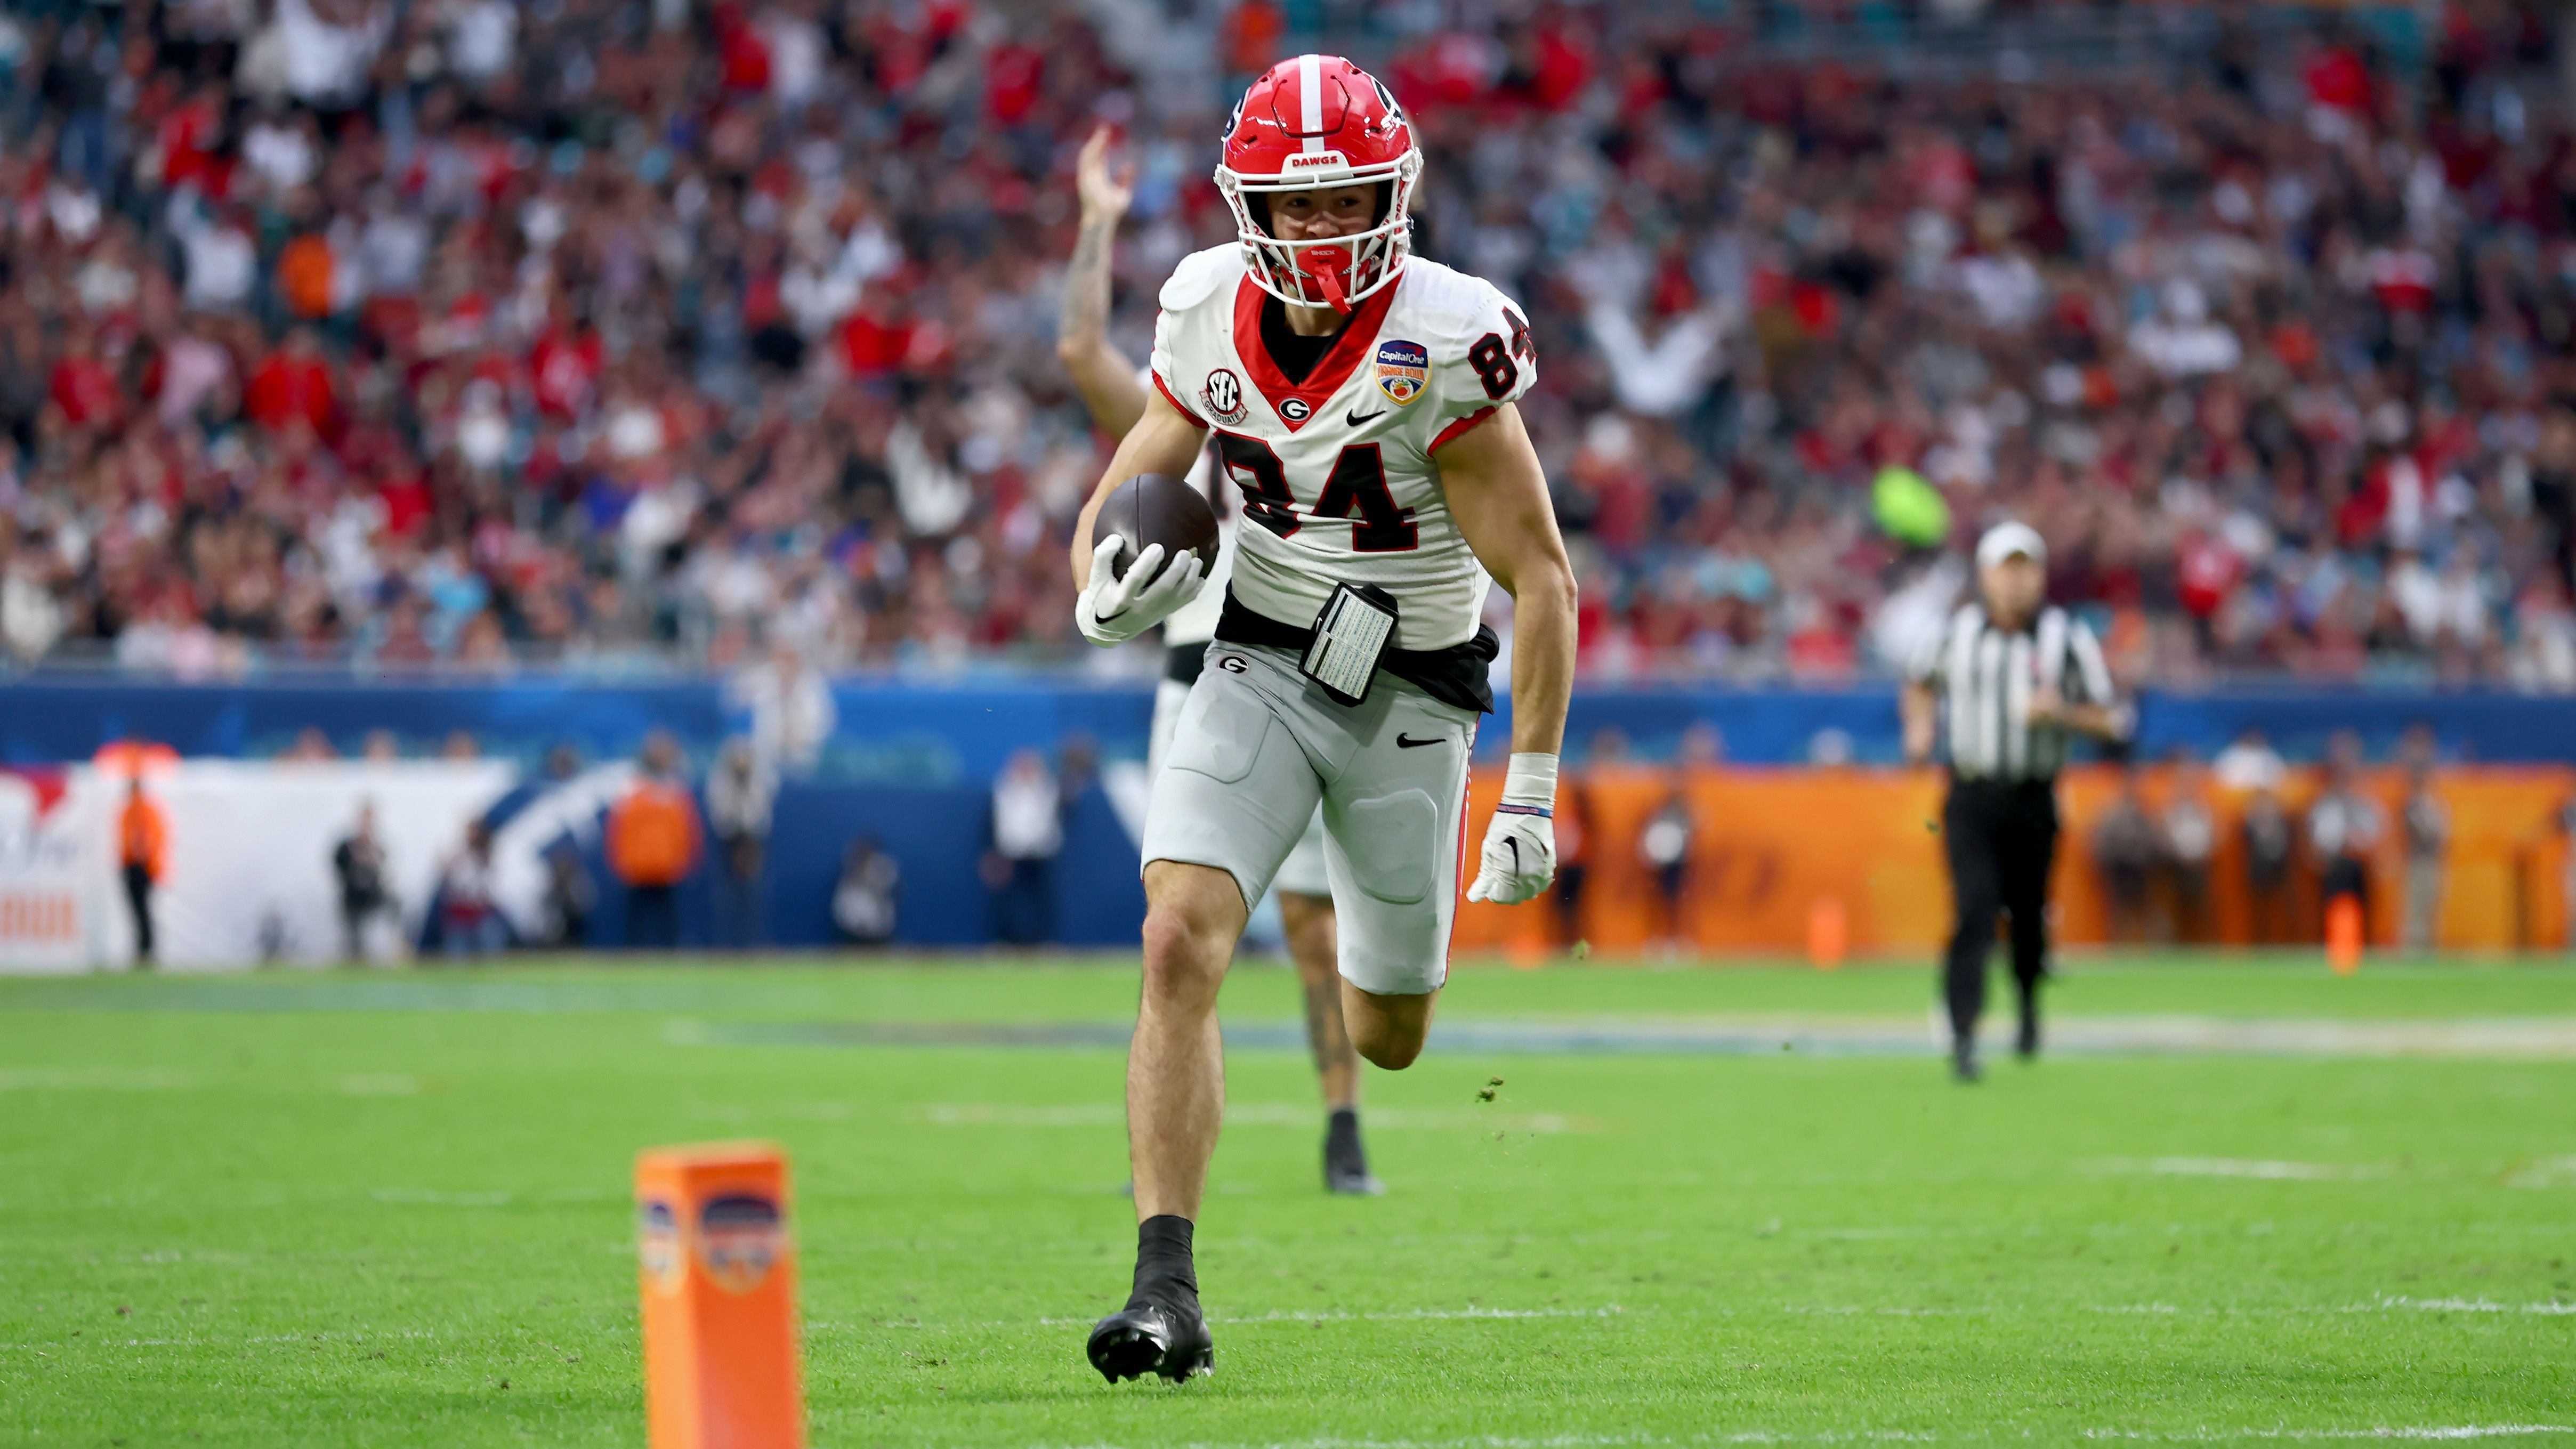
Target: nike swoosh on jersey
(1355, 417)
(1404, 741)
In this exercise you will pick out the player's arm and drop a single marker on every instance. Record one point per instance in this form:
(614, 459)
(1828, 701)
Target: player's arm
(1917, 705)
(1104, 377)
(1113, 610)
(1498, 495)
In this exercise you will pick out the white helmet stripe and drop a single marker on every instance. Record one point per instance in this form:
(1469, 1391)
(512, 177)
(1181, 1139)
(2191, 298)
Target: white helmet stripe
(1310, 81)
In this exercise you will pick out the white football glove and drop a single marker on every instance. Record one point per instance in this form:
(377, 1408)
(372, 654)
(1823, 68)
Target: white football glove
(1519, 858)
(1113, 610)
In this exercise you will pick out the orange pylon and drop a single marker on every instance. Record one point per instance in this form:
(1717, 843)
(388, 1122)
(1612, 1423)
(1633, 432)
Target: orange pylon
(2343, 934)
(1828, 933)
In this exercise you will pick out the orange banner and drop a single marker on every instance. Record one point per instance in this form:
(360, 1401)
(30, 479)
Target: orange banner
(1768, 848)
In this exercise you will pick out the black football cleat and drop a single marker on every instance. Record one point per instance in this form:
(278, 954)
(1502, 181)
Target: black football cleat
(1346, 1170)
(1963, 1064)
(1154, 1336)
(2026, 1045)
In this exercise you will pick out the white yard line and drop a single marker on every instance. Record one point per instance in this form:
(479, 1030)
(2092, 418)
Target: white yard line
(2254, 1167)
(1867, 1436)
(1409, 1315)
(1252, 1114)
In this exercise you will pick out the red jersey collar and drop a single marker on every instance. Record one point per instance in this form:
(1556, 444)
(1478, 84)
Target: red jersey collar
(1339, 361)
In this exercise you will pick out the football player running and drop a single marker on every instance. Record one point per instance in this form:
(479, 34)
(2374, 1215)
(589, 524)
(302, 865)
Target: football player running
(1362, 401)
(1114, 390)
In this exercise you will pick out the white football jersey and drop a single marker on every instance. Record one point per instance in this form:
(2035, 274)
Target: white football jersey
(1337, 477)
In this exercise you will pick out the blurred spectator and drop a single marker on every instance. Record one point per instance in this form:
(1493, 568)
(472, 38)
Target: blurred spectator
(379, 747)
(358, 864)
(792, 714)
(2125, 849)
(864, 898)
(2427, 825)
(334, 325)
(461, 745)
(470, 922)
(2188, 833)
(311, 746)
(1573, 840)
(2270, 843)
(2250, 763)
(2345, 826)
(142, 856)
(740, 792)
(1026, 831)
(570, 896)
(653, 844)
(1664, 848)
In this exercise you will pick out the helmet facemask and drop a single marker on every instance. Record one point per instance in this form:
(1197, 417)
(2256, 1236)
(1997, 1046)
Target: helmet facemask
(1337, 272)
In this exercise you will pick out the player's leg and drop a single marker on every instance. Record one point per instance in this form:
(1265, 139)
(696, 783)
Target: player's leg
(1388, 1028)
(1393, 820)
(1976, 894)
(1305, 894)
(1175, 1065)
(1231, 800)
(1309, 923)
(2027, 850)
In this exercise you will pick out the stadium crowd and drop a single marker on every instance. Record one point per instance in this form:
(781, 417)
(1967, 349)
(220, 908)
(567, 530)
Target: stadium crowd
(469, 333)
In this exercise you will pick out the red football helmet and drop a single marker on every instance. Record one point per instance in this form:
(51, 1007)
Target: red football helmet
(1314, 121)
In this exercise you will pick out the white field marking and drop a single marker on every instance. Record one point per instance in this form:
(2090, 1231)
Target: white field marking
(2436, 1431)
(799, 1111)
(332, 1337)
(173, 1255)
(94, 1079)
(2547, 1172)
(1252, 1114)
(1556, 1441)
(380, 1084)
(2466, 1305)
(1845, 1310)
(1863, 1436)
(1407, 1316)
(426, 1197)
(2262, 1168)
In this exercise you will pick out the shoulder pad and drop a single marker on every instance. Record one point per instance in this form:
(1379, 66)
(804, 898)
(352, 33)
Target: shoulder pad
(1455, 307)
(1199, 276)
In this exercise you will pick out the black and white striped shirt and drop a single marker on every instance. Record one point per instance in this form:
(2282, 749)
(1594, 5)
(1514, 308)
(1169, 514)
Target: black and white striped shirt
(1986, 677)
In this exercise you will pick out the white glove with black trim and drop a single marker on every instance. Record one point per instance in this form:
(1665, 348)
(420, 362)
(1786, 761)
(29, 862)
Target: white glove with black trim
(1113, 610)
(1520, 843)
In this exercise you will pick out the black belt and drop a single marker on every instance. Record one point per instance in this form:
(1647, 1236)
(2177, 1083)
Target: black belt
(1460, 676)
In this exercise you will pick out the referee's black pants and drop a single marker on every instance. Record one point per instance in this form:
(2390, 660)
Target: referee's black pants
(2001, 837)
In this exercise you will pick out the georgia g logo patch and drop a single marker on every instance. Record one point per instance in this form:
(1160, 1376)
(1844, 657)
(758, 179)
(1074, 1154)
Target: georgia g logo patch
(1223, 396)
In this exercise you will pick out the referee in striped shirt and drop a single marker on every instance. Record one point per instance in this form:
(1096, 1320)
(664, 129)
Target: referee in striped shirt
(2012, 677)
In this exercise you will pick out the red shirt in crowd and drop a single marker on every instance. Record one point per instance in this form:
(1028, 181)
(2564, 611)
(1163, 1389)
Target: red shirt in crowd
(565, 367)
(85, 389)
(290, 385)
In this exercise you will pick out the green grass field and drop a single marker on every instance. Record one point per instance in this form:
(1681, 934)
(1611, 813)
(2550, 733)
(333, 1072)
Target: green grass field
(392, 1209)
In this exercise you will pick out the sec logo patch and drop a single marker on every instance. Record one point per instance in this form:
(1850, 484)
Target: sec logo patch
(1223, 396)
(1403, 370)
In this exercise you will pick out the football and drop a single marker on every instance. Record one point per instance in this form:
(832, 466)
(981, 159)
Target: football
(1153, 508)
